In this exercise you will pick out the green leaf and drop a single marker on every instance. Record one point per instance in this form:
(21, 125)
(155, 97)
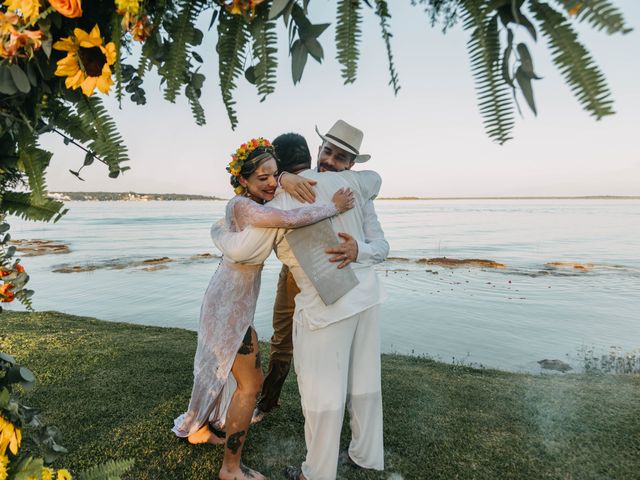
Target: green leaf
(21, 375)
(4, 397)
(314, 48)
(28, 467)
(7, 86)
(524, 82)
(5, 357)
(20, 78)
(250, 75)
(88, 159)
(315, 30)
(506, 73)
(298, 60)
(31, 73)
(277, 7)
(525, 60)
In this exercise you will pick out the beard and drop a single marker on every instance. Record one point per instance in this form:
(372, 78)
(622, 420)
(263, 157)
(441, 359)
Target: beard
(327, 167)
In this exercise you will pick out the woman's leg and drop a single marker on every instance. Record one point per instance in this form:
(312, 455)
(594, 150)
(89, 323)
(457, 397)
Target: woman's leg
(248, 374)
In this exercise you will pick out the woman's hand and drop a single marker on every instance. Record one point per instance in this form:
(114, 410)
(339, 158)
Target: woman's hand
(343, 199)
(298, 187)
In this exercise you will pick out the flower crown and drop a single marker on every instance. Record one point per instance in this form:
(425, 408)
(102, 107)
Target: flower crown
(240, 156)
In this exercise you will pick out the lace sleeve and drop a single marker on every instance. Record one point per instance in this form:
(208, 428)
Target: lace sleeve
(251, 213)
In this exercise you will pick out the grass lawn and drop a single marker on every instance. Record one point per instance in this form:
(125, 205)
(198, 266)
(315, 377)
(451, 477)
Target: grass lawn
(114, 390)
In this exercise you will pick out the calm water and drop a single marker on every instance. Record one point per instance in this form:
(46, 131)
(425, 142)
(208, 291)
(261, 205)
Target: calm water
(507, 318)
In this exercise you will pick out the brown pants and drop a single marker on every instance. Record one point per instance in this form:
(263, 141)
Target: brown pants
(281, 342)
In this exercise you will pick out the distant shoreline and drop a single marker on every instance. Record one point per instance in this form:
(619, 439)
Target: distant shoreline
(586, 197)
(127, 196)
(145, 197)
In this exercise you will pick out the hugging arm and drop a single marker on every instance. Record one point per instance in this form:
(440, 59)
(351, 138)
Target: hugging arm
(250, 213)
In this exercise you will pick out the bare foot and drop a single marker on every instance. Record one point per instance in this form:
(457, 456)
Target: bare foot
(204, 435)
(242, 473)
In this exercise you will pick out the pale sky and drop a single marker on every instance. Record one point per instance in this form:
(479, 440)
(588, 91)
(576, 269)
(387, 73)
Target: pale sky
(427, 141)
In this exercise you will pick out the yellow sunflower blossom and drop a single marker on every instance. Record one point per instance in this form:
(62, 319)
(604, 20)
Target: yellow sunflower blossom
(88, 61)
(239, 190)
(29, 9)
(47, 473)
(131, 7)
(4, 467)
(63, 474)
(10, 436)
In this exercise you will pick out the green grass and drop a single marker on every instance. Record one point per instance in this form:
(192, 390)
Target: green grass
(114, 390)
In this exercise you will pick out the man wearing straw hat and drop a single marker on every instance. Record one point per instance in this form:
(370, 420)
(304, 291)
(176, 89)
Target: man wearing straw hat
(337, 347)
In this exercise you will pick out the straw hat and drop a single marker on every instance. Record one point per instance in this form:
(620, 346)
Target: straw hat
(346, 137)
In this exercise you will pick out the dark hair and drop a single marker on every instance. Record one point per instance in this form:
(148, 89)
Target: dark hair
(292, 152)
(256, 158)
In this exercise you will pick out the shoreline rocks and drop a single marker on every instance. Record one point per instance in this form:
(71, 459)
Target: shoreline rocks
(36, 247)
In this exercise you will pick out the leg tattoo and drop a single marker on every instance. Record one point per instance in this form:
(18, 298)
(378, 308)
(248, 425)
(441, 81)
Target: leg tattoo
(235, 441)
(247, 471)
(247, 345)
(258, 360)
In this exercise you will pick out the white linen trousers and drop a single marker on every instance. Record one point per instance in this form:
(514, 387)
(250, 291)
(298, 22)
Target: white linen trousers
(336, 365)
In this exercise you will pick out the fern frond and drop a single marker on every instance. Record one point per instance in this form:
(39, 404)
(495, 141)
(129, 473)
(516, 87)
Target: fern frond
(265, 52)
(20, 204)
(111, 470)
(348, 36)
(117, 40)
(382, 10)
(61, 116)
(193, 95)
(584, 78)
(106, 141)
(35, 161)
(182, 32)
(494, 95)
(601, 14)
(232, 40)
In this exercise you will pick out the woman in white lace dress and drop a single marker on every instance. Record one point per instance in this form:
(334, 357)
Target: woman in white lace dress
(227, 371)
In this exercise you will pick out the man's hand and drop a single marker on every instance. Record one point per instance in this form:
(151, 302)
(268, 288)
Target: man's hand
(345, 252)
(298, 187)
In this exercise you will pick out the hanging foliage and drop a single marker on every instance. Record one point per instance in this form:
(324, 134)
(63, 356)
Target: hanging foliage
(59, 57)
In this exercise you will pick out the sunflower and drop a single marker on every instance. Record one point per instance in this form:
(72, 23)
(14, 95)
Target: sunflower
(63, 474)
(10, 436)
(29, 9)
(4, 468)
(88, 61)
